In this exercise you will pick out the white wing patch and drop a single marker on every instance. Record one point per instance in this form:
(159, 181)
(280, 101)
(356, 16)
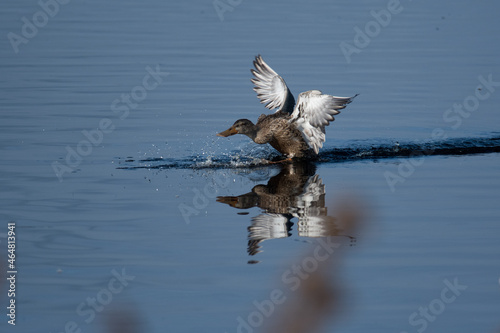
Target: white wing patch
(271, 89)
(268, 226)
(313, 112)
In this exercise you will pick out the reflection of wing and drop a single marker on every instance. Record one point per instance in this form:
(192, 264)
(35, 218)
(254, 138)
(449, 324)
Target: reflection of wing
(314, 190)
(312, 200)
(310, 209)
(317, 226)
(271, 89)
(313, 112)
(268, 226)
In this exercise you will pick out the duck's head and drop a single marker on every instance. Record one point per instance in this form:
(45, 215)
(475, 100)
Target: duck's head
(241, 126)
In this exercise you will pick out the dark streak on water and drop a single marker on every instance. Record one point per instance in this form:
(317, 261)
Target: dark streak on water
(458, 146)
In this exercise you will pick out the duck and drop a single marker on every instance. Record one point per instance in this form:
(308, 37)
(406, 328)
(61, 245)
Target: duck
(295, 129)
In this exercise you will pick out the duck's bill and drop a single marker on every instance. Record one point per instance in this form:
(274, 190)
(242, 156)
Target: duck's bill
(231, 201)
(230, 131)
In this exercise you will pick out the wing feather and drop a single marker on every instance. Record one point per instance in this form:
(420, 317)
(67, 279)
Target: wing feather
(271, 89)
(314, 111)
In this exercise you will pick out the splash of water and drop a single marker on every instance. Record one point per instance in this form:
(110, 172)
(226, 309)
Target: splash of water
(259, 156)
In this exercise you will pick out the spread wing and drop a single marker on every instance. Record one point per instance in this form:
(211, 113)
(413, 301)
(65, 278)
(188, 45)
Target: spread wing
(271, 89)
(313, 112)
(268, 226)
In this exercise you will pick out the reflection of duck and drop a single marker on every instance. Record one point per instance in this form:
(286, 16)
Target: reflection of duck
(293, 131)
(296, 192)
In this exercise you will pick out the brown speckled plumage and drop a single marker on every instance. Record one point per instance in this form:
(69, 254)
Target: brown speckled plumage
(277, 130)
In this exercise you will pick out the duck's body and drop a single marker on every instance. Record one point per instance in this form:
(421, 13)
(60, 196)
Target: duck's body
(295, 130)
(277, 130)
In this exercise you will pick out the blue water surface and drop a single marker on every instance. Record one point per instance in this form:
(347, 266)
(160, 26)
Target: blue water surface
(73, 148)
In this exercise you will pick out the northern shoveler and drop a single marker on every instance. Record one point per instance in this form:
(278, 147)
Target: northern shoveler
(295, 129)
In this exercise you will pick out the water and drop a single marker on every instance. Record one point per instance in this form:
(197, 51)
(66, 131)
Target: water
(144, 190)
